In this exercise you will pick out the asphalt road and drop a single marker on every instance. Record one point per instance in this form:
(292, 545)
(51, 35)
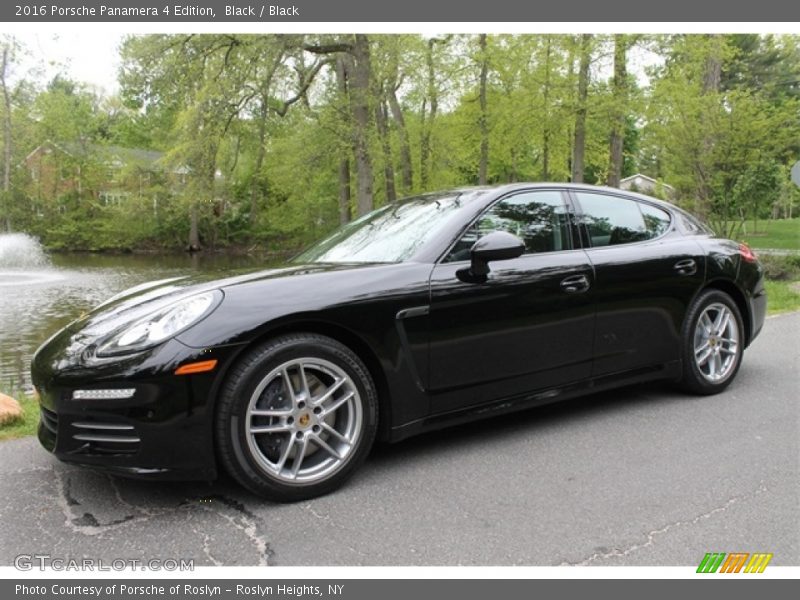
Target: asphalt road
(642, 476)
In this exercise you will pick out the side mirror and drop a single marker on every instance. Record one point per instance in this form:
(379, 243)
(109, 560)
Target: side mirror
(498, 245)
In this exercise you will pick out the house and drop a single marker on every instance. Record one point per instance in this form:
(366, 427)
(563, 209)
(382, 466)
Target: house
(108, 174)
(646, 185)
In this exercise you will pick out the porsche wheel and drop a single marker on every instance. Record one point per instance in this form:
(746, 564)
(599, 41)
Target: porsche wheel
(296, 417)
(713, 341)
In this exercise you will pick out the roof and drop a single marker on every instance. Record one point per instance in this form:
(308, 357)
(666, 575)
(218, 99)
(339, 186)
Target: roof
(645, 177)
(112, 153)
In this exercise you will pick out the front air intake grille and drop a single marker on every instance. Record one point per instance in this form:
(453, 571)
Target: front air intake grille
(106, 438)
(49, 419)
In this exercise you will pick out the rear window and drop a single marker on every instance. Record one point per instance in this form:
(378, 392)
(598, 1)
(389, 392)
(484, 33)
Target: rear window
(612, 221)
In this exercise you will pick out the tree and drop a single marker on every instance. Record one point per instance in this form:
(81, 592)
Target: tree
(358, 74)
(7, 58)
(579, 139)
(483, 120)
(620, 106)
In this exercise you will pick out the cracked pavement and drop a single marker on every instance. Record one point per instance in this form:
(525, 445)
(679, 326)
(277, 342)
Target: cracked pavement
(640, 476)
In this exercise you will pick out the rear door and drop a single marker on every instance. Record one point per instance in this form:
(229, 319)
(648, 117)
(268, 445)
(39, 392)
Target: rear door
(646, 274)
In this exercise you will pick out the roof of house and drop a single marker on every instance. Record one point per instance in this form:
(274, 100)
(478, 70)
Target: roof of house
(635, 176)
(119, 154)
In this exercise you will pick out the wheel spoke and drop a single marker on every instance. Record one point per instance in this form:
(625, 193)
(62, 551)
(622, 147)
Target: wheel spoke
(285, 455)
(271, 412)
(732, 349)
(274, 428)
(706, 322)
(325, 446)
(329, 392)
(335, 434)
(288, 385)
(701, 359)
(717, 360)
(337, 404)
(298, 457)
(712, 367)
(721, 312)
(723, 322)
(304, 382)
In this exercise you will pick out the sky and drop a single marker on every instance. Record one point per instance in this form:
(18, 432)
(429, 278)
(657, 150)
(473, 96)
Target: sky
(92, 58)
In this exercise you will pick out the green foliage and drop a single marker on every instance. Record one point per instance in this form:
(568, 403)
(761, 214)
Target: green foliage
(782, 296)
(254, 130)
(781, 267)
(26, 425)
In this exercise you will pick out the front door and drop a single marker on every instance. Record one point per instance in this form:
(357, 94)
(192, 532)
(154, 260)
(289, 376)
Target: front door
(530, 326)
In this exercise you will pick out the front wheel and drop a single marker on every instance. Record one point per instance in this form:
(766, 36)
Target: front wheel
(713, 343)
(296, 417)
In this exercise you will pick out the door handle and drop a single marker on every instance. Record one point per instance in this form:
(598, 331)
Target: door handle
(575, 284)
(686, 267)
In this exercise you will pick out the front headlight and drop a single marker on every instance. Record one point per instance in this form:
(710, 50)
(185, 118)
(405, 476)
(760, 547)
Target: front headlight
(159, 326)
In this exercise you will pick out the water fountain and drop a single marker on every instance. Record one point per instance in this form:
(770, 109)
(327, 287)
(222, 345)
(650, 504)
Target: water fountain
(23, 261)
(19, 250)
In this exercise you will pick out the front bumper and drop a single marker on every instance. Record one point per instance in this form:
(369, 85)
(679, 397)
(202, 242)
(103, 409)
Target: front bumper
(164, 431)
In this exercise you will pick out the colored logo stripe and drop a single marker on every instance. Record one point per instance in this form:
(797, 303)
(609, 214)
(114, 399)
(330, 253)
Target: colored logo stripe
(711, 562)
(758, 563)
(734, 562)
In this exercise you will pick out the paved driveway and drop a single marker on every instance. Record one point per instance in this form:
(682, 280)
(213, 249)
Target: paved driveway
(642, 476)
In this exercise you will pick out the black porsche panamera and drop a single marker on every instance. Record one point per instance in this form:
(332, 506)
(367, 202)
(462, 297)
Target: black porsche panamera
(431, 311)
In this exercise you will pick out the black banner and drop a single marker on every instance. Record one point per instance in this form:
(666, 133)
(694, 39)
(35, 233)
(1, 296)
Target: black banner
(360, 11)
(391, 589)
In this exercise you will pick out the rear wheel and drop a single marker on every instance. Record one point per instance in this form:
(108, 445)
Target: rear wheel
(713, 343)
(296, 417)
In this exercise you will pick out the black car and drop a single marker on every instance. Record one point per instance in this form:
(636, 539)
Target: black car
(434, 310)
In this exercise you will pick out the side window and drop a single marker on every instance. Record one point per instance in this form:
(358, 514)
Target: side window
(538, 218)
(611, 221)
(655, 220)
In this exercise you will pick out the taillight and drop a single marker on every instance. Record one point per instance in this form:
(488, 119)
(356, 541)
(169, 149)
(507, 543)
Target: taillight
(747, 253)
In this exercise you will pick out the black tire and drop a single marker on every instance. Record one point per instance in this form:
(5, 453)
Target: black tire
(696, 378)
(260, 460)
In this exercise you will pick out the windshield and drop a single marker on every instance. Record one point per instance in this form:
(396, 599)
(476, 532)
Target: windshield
(392, 233)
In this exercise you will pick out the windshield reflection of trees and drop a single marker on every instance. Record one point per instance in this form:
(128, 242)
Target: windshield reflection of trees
(390, 234)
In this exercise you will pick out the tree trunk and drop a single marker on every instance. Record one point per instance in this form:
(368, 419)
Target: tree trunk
(194, 233)
(579, 140)
(427, 124)
(359, 99)
(344, 192)
(483, 124)
(344, 161)
(256, 182)
(546, 120)
(386, 147)
(7, 141)
(406, 170)
(712, 74)
(620, 106)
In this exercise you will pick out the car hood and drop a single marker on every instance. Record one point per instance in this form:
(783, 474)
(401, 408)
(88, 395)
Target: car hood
(147, 298)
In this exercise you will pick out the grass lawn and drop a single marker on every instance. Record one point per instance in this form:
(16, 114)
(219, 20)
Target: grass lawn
(783, 234)
(782, 296)
(27, 424)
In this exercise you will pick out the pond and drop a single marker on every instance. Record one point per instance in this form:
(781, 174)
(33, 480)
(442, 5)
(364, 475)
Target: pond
(39, 294)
